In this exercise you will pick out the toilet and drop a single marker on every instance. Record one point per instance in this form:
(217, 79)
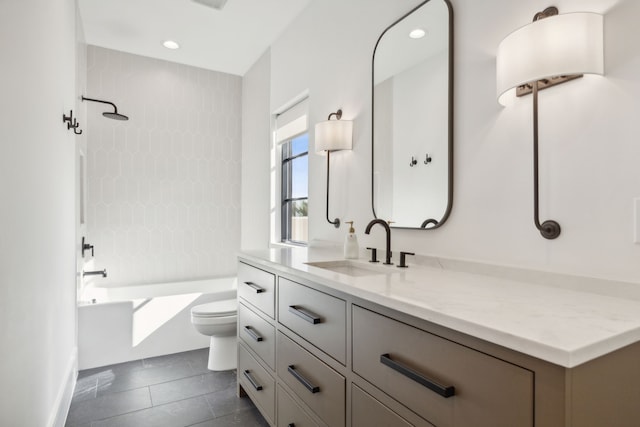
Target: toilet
(218, 320)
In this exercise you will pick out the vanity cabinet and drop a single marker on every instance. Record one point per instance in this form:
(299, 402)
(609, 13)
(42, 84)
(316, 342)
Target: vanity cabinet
(442, 381)
(317, 355)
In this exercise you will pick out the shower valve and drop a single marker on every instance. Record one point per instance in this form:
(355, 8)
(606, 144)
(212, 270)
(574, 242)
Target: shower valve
(86, 247)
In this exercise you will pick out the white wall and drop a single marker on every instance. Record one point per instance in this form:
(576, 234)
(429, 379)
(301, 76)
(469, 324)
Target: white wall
(589, 149)
(256, 144)
(163, 187)
(37, 231)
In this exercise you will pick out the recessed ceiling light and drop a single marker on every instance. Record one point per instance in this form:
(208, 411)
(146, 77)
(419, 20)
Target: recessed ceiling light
(170, 44)
(418, 33)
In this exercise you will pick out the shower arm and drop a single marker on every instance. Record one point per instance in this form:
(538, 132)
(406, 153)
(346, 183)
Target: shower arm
(115, 109)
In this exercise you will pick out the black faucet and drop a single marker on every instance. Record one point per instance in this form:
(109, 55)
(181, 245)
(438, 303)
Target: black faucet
(388, 230)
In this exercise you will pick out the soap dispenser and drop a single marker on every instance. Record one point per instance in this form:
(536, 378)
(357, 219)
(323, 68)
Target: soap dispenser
(351, 249)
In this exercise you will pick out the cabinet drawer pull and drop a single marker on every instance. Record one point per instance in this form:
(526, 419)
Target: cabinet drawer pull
(253, 334)
(305, 382)
(253, 382)
(444, 391)
(291, 425)
(305, 314)
(257, 288)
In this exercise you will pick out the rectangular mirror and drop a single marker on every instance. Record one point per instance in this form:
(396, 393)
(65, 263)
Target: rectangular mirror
(412, 126)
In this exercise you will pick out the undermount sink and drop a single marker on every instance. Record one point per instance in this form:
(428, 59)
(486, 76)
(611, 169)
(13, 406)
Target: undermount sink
(351, 268)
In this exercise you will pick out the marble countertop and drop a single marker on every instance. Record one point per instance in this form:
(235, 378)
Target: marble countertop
(564, 325)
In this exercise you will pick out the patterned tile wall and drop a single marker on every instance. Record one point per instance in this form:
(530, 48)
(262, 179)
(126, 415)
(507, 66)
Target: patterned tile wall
(163, 200)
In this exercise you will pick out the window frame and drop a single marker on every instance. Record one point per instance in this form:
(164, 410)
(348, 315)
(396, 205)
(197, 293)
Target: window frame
(286, 181)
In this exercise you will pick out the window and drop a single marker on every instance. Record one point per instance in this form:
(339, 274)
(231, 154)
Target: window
(294, 192)
(290, 176)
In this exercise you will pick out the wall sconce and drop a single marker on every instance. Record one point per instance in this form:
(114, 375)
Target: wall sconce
(333, 135)
(553, 49)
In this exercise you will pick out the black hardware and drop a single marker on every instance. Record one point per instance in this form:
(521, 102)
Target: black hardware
(427, 222)
(387, 229)
(450, 129)
(374, 255)
(427, 159)
(254, 383)
(444, 391)
(257, 288)
(102, 273)
(305, 314)
(108, 114)
(253, 334)
(305, 382)
(291, 425)
(413, 162)
(402, 259)
(71, 122)
(335, 222)
(549, 229)
(86, 247)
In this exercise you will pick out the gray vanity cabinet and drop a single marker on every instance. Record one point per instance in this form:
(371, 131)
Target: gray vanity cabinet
(314, 355)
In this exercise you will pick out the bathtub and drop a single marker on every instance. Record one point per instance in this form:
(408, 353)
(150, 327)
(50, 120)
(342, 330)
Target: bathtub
(121, 323)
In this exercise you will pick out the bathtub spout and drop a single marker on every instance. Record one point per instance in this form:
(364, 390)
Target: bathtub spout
(102, 273)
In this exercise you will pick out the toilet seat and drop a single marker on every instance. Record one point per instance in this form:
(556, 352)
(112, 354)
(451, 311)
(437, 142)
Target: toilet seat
(224, 308)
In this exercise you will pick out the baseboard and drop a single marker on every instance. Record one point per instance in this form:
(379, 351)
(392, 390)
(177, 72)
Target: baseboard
(60, 410)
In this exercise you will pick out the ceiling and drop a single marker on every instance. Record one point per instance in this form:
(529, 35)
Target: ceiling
(228, 40)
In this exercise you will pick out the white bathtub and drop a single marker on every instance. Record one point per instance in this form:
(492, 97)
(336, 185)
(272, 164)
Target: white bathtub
(133, 322)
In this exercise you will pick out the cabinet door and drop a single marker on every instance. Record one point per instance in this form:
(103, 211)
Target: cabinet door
(290, 413)
(314, 382)
(367, 411)
(258, 334)
(257, 287)
(444, 382)
(315, 316)
(258, 384)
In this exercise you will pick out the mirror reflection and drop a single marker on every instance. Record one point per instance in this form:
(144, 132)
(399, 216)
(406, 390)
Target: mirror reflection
(412, 119)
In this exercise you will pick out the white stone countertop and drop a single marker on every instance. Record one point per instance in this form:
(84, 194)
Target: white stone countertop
(562, 322)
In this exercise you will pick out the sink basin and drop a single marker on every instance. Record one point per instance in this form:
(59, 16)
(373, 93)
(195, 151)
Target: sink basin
(350, 268)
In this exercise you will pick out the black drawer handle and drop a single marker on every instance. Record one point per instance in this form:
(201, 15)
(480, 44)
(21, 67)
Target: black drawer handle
(253, 334)
(444, 391)
(305, 314)
(257, 288)
(305, 382)
(253, 382)
(291, 425)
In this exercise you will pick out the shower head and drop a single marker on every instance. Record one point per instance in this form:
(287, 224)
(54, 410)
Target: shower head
(115, 116)
(108, 114)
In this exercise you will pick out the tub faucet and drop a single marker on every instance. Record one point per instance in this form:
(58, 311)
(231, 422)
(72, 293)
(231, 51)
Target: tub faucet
(387, 229)
(102, 273)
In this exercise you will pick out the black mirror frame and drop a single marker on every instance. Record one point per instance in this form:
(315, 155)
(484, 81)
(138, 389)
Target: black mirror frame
(447, 212)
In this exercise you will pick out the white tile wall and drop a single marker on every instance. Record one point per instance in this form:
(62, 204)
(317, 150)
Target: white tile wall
(164, 187)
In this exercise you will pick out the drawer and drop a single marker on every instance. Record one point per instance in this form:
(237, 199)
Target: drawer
(257, 287)
(315, 316)
(367, 411)
(257, 334)
(317, 385)
(258, 384)
(290, 413)
(417, 368)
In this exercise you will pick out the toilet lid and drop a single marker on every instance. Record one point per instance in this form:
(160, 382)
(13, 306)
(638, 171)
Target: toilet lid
(222, 308)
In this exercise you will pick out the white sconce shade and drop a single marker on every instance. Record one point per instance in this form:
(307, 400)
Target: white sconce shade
(559, 45)
(332, 135)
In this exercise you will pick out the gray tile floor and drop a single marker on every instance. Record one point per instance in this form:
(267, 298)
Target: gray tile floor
(176, 390)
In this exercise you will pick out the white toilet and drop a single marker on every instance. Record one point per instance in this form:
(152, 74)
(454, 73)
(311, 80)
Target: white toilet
(218, 320)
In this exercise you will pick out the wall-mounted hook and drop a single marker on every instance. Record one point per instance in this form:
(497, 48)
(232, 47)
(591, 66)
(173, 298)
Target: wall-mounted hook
(413, 161)
(67, 119)
(427, 159)
(76, 132)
